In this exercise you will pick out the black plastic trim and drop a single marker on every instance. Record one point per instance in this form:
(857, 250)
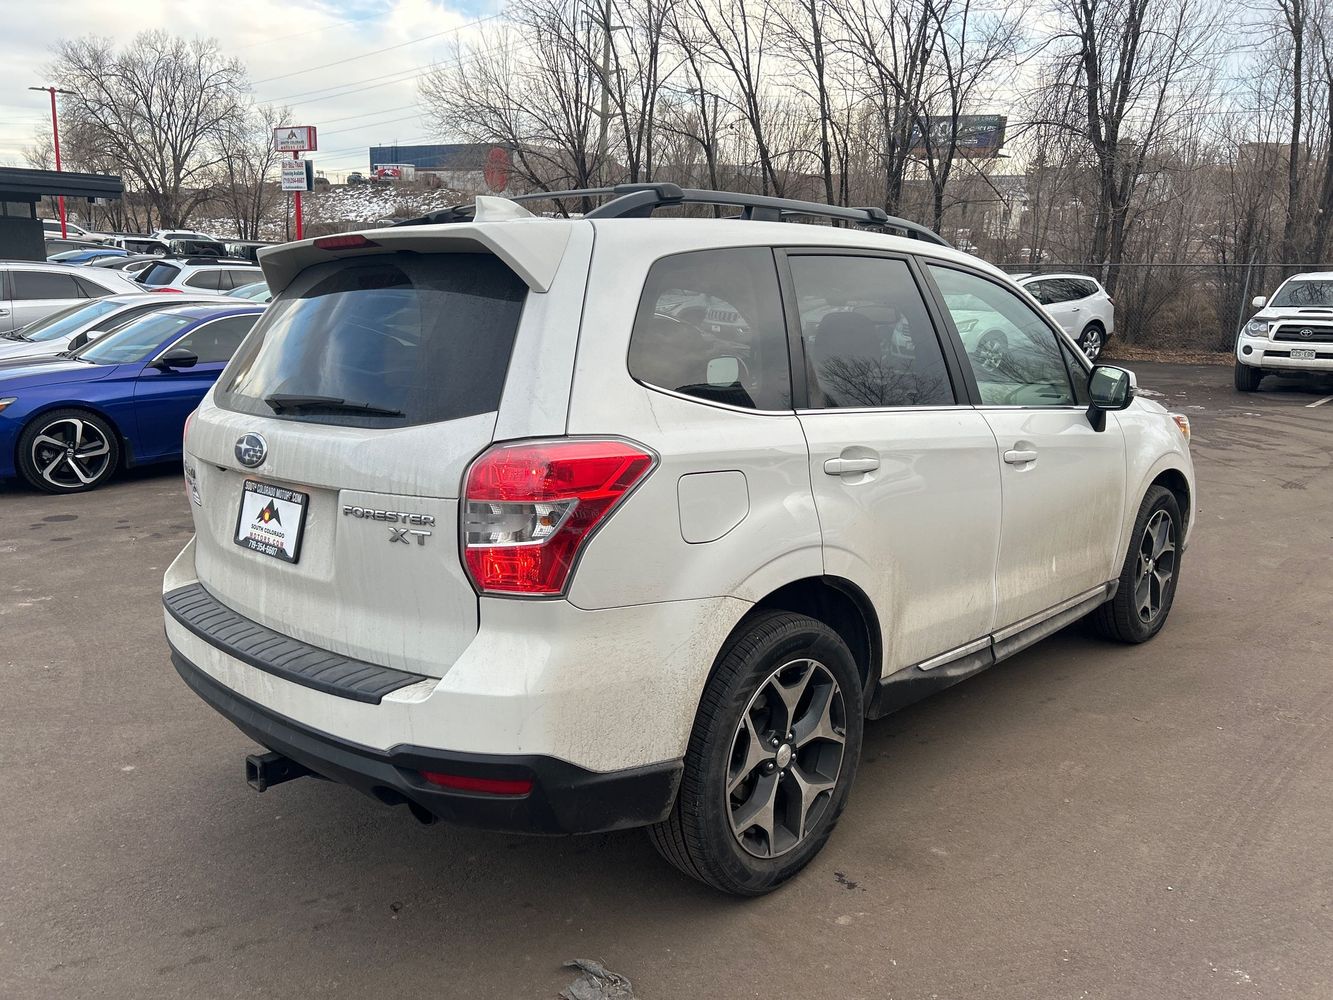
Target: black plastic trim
(565, 798)
(277, 654)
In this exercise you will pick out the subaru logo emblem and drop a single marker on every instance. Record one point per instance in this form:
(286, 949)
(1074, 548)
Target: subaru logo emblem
(251, 450)
(1306, 333)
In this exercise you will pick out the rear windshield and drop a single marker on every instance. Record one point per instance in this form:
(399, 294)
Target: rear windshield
(159, 274)
(381, 341)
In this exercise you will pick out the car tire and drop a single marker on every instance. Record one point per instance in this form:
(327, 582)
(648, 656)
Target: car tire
(1248, 377)
(1143, 598)
(1092, 340)
(68, 451)
(789, 793)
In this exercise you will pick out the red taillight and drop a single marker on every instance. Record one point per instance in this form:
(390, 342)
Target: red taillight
(490, 786)
(352, 241)
(529, 508)
(176, 290)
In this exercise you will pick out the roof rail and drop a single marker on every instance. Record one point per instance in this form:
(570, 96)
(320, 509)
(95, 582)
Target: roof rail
(639, 201)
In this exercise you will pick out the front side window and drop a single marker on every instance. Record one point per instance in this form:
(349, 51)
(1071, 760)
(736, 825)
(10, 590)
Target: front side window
(710, 325)
(216, 342)
(868, 339)
(1015, 357)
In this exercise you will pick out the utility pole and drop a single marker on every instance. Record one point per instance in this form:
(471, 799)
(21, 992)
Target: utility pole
(606, 92)
(55, 141)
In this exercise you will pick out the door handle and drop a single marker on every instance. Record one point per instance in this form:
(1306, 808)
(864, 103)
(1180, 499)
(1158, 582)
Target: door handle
(842, 466)
(1016, 456)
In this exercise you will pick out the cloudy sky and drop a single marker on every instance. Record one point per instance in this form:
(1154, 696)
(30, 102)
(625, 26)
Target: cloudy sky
(346, 66)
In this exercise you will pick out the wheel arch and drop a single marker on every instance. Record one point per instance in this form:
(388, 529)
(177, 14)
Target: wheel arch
(1174, 480)
(842, 606)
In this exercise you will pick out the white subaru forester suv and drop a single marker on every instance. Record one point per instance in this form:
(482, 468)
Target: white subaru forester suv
(573, 525)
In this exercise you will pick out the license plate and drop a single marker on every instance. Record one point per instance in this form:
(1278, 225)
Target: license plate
(1299, 355)
(271, 520)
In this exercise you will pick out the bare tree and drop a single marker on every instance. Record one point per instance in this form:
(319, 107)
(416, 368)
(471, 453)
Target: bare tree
(244, 183)
(157, 108)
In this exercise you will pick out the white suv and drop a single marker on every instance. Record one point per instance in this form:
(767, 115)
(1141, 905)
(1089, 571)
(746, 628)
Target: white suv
(1291, 334)
(1079, 304)
(198, 274)
(575, 525)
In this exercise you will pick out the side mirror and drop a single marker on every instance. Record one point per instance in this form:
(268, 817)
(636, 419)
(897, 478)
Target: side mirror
(1259, 301)
(1109, 388)
(177, 357)
(723, 372)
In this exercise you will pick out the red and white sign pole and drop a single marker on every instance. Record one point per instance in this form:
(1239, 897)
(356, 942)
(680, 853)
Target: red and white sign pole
(55, 141)
(296, 139)
(296, 203)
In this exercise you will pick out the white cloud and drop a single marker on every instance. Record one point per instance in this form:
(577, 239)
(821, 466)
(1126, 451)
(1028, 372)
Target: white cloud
(279, 41)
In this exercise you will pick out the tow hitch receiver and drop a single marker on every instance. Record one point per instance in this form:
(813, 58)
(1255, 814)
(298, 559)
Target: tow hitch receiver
(265, 769)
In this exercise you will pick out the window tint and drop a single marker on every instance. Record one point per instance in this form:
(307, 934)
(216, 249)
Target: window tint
(237, 278)
(710, 325)
(1037, 289)
(1078, 375)
(867, 336)
(159, 273)
(210, 279)
(1014, 355)
(92, 289)
(426, 335)
(1085, 287)
(217, 341)
(44, 285)
(1069, 289)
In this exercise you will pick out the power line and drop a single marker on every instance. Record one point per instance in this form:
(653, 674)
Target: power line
(387, 48)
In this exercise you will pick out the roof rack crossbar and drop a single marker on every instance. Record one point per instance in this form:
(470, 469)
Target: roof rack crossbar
(637, 201)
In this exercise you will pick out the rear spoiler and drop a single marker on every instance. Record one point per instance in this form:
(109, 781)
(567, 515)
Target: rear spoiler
(531, 247)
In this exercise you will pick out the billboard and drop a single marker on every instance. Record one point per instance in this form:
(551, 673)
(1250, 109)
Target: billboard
(977, 135)
(298, 175)
(295, 139)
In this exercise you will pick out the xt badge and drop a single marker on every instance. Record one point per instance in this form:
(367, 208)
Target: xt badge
(405, 535)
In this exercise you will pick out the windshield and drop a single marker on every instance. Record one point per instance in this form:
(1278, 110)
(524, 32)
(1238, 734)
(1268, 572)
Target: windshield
(67, 322)
(135, 341)
(1298, 294)
(382, 341)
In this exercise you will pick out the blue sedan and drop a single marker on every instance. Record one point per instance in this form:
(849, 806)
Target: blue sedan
(67, 423)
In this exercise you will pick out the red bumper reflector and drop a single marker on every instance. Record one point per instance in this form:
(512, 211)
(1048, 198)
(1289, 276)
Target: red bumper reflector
(490, 786)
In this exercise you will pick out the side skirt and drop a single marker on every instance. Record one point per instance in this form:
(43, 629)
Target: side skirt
(903, 687)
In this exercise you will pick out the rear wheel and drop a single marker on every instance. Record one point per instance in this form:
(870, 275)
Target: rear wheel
(68, 451)
(1092, 340)
(1248, 377)
(771, 759)
(1151, 570)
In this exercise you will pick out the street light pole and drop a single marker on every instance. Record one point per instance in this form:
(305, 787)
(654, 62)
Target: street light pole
(55, 140)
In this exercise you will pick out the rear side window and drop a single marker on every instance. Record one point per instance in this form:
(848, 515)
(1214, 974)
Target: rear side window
(43, 285)
(159, 274)
(92, 289)
(710, 325)
(210, 280)
(868, 339)
(217, 341)
(382, 341)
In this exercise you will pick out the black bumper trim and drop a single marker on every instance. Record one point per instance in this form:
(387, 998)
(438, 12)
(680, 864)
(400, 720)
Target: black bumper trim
(565, 798)
(280, 655)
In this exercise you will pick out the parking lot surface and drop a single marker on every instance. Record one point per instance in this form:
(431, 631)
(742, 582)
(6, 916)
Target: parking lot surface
(1085, 820)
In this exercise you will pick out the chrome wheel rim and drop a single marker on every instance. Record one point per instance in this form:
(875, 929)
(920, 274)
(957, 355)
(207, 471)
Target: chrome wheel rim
(1092, 344)
(1156, 566)
(70, 453)
(786, 757)
(990, 354)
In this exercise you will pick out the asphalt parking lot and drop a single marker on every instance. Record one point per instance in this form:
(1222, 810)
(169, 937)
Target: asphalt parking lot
(1084, 821)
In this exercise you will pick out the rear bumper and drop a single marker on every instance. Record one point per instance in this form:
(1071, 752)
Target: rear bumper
(564, 798)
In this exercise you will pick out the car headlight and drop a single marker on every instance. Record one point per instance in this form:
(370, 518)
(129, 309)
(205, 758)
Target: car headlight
(1257, 328)
(7, 401)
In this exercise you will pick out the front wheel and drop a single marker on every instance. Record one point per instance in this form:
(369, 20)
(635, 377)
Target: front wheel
(1150, 573)
(771, 758)
(68, 451)
(1248, 377)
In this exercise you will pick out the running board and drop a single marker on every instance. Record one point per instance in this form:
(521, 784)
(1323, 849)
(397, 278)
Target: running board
(902, 687)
